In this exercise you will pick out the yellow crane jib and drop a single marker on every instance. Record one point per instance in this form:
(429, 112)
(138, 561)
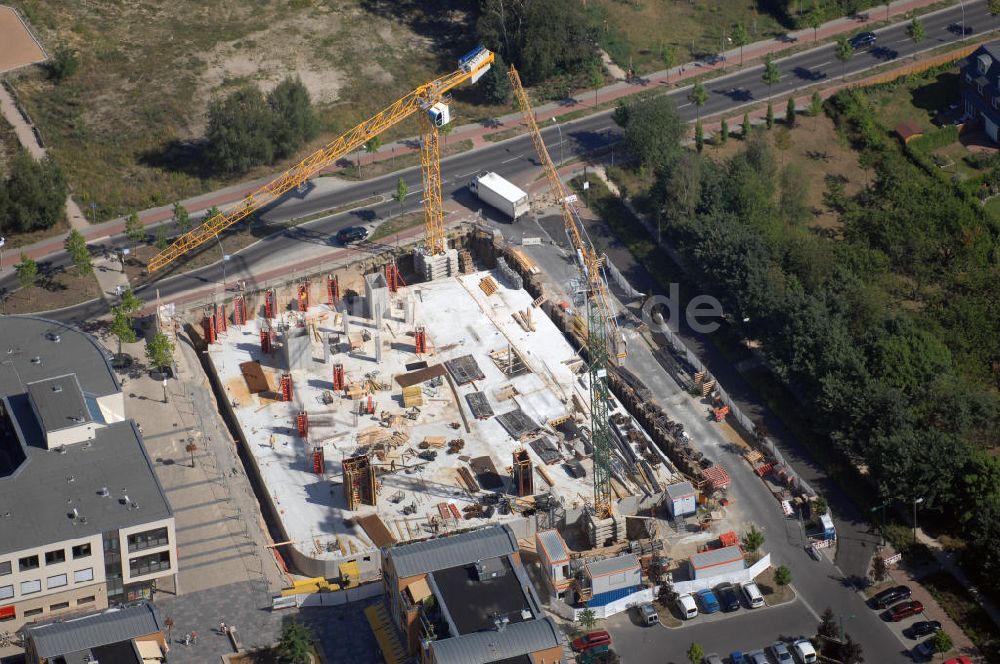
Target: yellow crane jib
(426, 97)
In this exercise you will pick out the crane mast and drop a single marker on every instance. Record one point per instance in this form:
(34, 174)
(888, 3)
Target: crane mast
(601, 328)
(422, 98)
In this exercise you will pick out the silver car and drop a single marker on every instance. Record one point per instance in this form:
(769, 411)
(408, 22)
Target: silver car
(780, 653)
(757, 657)
(712, 659)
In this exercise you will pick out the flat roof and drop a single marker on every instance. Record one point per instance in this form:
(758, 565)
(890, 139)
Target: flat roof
(59, 402)
(86, 633)
(553, 545)
(622, 563)
(713, 557)
(473, 604)
(61, 349)
(504, 187)
(488, 647)
(451, 551)
(680, 490)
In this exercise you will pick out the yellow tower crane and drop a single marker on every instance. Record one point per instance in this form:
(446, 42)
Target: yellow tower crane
(428, 98)
(603, 339)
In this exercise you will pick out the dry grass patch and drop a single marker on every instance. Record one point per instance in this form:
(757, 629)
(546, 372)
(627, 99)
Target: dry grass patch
(55, 289)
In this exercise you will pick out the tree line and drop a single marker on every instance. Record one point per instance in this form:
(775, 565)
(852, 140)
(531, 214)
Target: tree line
(890, 337)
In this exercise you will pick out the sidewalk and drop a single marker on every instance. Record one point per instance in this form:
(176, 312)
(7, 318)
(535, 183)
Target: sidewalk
(752, 53)
(947, 560)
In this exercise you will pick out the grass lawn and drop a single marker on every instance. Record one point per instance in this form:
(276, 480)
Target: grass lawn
(773, 593)
(636, 30)
(388, 228)
(966, 612)
(371, 170)
(917, 100)
(55, 289)
(126, 126)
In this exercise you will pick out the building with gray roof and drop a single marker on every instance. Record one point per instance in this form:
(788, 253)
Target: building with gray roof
(117, 636)
(84, 521)
(537, 641)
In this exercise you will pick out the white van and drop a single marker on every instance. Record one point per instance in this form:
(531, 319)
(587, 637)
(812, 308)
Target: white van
(754, 598)
(804, 651)
(687, 606)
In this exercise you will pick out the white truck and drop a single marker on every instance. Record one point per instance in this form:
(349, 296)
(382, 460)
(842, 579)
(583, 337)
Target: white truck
(501, 194)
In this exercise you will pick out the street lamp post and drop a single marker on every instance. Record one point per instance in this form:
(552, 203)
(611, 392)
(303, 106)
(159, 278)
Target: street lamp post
(225, 258)
(881, 528)
(562, 155)
(962, 2)
(842, 625)
(916, 501)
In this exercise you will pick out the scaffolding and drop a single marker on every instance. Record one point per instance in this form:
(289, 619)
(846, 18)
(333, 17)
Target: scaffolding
(359, 482)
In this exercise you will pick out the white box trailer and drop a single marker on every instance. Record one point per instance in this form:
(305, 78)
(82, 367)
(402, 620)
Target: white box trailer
(501, 194)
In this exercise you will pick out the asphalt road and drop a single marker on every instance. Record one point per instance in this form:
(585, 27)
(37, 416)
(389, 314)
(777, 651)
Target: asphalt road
(514, 159)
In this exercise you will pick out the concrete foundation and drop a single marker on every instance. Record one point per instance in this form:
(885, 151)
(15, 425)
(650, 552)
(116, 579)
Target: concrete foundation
(439, 266)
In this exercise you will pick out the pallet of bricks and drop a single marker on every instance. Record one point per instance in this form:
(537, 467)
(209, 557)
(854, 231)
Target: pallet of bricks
(413, 396)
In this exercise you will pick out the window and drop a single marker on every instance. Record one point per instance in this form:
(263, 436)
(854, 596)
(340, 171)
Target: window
(81, 550)
(147, 540)
(89, 599)
(29, 563)
(6, 592)
(57, 581)
(5, 568)
(81, 575)
(32, 612)
(59, 607)
(55, 557)
(31, 587)
(154, 562)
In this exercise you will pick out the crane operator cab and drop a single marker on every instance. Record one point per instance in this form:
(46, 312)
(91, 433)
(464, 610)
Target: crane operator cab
(439, 114)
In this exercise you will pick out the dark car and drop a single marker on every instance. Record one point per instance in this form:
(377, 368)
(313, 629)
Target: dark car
(922, 628)
(591, 640)
(728, 598)
(863, 39)
(887, 598)
(905, 610)
(351, 234)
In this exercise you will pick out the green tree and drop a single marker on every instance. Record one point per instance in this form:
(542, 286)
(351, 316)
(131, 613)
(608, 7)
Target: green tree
(668, 56)
(294, 645)
(182, 218)
(64, 63)
(587, 619)
(27, 271)
(128, 302)
(134, 230)
(294, 122)
(943, 641)
(210, 213)
(653, 130)
(828, 626)
(769, 118)
(782, 575)
(723, 132)
(843, 51)
(790, 112)
(994, 7)
(819, 506)
(159, 350)
(753, 539)
(401, 191)
(771, 73)
(121, 327)
(596, 79)
(880, 569)
(374, 144)
(851, 651)
(495, 85)
(78, 252)
(815, 104)
(161, 237)
(740, 38)
(240, 131)
(699, 135)
(698, 96)
(446, 129)
(747, 127)
(783, 142)
(33, 197)
(696, 653)
(816, 19)
(915, 30)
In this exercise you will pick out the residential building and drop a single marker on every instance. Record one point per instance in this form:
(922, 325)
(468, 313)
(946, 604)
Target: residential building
(84, 522)
(980, 87)
(466, 599)
(131, 635)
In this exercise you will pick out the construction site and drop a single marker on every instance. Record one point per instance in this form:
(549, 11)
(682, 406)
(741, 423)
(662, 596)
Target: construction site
(428, 390)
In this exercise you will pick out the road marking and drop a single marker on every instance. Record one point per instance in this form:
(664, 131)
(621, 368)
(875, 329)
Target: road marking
(465, 175)
(683, 105)
(805, 603)
(515, 158)
(823, 64)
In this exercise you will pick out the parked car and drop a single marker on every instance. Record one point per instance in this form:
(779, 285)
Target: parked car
(905, 610)
(728, 598)
(712, 658)
(709, 604)
(863, 39)
(648, 615)
(887, 598)
(351, 234)
(922, 628)
(591, 640)
(736, 657)
(687, 606)
(780, 653)
(754, 598)
(962, 659)
(924, 651)
(757, 657)
(804, 651)
(814, 552)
